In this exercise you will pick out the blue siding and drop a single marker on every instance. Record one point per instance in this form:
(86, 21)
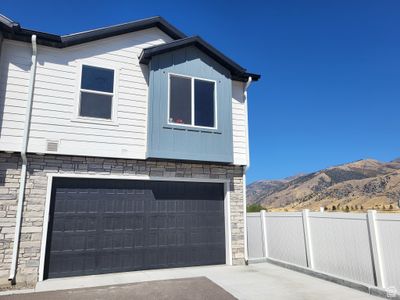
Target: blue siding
(180, 142)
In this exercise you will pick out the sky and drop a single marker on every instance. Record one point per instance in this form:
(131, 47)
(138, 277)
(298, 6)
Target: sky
(330, 86)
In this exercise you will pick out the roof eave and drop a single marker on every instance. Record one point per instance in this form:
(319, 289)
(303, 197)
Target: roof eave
(57, 41)
(97, 34)
(245, 77)
(12, 30)
(237, 72)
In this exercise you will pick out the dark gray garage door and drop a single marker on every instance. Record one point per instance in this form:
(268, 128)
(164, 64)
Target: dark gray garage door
(103, 226)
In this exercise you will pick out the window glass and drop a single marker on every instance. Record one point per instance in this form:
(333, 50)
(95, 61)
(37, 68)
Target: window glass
(96, 96)
(204, 103)
(95, 105)
(97, 79)
(180, 106)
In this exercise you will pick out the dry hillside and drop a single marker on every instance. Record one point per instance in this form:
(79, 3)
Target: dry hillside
(359, 185)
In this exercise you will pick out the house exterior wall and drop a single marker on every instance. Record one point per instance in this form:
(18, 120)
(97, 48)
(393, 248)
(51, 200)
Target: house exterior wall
(189, 142)
(239, 124)
(1, 43)
(56, 94)
(39, 166)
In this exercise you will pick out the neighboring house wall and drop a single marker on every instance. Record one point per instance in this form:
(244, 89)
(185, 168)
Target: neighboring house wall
(36, 187)
(56, 97)
(188, 142)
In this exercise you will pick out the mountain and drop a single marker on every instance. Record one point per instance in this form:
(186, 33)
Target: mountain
(368, 183)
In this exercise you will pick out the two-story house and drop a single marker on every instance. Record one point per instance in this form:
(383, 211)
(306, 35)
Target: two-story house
(121, 148)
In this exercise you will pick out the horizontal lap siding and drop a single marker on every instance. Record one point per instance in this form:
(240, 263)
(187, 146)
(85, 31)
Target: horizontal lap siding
(55, 97)
(239, 120)
(14, 80)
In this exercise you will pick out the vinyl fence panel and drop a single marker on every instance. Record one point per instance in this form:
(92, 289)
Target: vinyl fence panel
(285, 237)
(389, 236)
(254, 236)
(341, 245)
(355, 246)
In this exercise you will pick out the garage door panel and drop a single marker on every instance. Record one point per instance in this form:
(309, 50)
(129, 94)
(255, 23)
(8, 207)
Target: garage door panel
(138, 256)
(129, 240)
(162, 237)
(151, 238)
(139, 239)
(73, 264)
(74, 242)
(102, 226)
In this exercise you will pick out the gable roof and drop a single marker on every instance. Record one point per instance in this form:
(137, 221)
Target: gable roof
(238, 72)
(13, 30)
(7, 22)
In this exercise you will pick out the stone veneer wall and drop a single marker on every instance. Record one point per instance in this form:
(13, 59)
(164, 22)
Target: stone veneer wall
(36, 188)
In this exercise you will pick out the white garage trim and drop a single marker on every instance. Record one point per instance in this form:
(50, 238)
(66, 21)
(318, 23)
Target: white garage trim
(45, 227)
(227, 214)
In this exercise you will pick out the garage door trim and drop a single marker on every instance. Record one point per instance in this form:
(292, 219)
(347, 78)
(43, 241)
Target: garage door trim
(46, 218)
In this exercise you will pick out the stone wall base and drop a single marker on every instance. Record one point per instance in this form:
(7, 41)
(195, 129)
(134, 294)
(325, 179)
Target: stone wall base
(36, 188)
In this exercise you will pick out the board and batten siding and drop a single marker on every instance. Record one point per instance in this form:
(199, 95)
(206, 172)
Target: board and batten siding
(174, 141)
(56, 92)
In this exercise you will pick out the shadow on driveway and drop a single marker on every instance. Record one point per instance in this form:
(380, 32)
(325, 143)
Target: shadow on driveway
(197, 288)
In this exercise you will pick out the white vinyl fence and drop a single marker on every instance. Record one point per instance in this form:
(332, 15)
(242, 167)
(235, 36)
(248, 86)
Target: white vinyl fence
(360, 247)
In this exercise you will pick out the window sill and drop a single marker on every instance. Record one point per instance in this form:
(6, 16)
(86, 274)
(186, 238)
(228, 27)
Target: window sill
(192, 128)
(94, 121)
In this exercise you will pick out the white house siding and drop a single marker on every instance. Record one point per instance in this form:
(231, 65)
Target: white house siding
(239, 120)
(14, 78)
(56, 95)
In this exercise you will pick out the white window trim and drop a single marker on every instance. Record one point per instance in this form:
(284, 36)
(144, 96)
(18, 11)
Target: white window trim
(192, 125)
(114, 102)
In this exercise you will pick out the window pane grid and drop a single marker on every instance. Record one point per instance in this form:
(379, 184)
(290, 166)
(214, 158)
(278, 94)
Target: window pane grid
(98, 79)
(204, 103)
(96, 92)
(180, 100)
(95, 106)
(201, 99)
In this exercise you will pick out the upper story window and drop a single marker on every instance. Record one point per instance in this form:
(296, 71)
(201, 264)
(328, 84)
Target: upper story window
(96, 92)
(192, 101)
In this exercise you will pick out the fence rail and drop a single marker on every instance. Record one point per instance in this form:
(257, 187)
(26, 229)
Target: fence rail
(360, 247)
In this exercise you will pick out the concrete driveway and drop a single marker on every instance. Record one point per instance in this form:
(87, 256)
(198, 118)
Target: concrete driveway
(187, 288)
(256, 281)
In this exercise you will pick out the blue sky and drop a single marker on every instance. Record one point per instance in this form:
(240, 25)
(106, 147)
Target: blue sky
(330, 87)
